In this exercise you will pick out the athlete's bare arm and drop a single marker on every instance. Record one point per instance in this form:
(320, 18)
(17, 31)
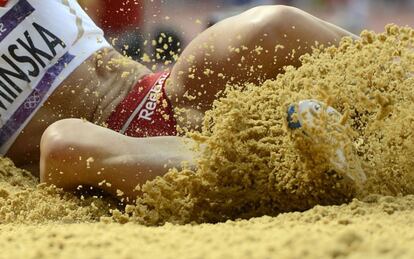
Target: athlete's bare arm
(99, 157)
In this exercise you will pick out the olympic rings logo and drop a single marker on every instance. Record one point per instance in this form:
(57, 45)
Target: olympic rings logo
(32, 101)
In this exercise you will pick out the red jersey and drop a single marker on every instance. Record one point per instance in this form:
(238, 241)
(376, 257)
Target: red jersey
(120, 14)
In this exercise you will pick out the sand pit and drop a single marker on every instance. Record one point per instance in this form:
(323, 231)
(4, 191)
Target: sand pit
(254, 166)
(381, 227)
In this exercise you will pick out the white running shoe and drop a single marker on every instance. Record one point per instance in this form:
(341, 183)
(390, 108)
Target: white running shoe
(306, 113)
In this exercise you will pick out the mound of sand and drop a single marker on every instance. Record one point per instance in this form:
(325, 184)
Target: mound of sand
(254, 165)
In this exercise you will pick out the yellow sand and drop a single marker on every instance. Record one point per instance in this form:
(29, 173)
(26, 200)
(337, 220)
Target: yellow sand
(381, 227)
(253, 165)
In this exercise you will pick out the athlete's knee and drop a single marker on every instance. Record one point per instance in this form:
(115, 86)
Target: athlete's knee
(58, 135)
(56, 145)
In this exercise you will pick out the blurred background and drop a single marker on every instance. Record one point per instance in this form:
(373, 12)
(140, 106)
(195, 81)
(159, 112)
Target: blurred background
(162, 28)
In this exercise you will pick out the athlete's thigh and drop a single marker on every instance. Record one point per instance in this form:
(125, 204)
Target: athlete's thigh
(250, 47)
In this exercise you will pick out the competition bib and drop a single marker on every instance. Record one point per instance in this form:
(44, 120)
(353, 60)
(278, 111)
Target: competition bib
(41, 43)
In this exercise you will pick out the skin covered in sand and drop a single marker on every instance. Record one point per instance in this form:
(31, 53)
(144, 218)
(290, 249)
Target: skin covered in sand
(258, 44)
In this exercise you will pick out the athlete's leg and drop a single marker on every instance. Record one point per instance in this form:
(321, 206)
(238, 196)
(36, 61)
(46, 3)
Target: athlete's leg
(249, 47)
(75, 152)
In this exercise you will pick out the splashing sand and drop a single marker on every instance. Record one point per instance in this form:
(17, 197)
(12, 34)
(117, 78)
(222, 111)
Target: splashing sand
(253, 166)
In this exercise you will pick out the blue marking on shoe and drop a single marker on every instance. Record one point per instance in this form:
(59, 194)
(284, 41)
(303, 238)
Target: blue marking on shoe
(291, 123)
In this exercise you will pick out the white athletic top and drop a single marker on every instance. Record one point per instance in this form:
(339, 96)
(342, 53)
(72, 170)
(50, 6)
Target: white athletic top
(41, 43)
